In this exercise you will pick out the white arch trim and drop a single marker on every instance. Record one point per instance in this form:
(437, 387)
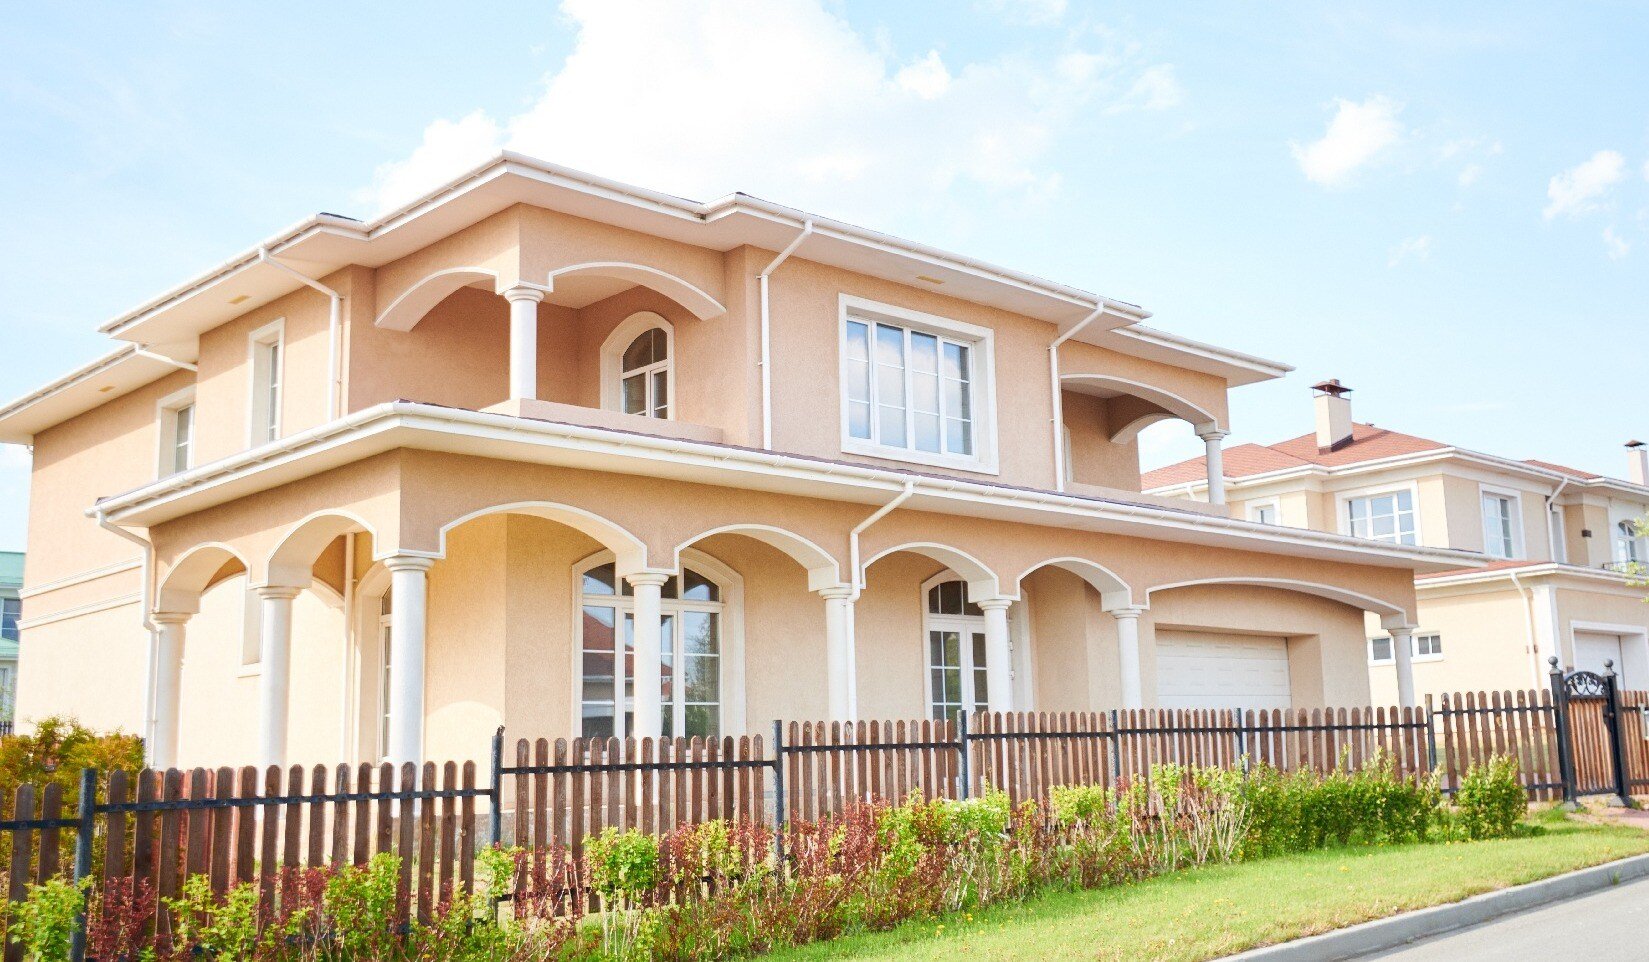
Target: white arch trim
(1391, 616)
(404, 313)
(191, 575)
(982, 581)
(292, 561)
(1200, 418)
(823, 571)
(612, 357)
(1113, 591)
(702, 305)
(629, 551)
(1131, 430)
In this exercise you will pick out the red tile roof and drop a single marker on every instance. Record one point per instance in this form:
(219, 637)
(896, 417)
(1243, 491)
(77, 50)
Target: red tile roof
(1564, 469)
(1491, 566)
(1368, 443)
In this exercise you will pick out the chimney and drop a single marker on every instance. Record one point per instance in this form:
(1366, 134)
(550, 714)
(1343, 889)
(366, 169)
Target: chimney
(1638, 471)
(1333, 415)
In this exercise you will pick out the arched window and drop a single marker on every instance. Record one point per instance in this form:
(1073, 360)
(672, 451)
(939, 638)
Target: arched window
(1627, 544)
(637, 367)
(693, 652)
(955, 629)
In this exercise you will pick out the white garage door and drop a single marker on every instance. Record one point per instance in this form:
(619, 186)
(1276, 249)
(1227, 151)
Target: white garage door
(1205, 669)
(1593, 648)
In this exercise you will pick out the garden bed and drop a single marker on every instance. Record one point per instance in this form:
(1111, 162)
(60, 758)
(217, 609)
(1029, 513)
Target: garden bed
(1209, 912)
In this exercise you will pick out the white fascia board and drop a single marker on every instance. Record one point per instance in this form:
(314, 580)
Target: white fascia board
(1236, 367)
(121, 371)
(1548, 570)
(429, 427)
(1377, 464)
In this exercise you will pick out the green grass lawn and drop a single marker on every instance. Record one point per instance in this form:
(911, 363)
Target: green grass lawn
(1210, 912)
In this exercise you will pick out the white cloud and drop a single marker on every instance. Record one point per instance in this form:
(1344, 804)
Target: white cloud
(1357, 135)
(674, 96)
(1469, 174)
(1410, 248)
(1616, 245)
(1576, 190)
(1033, 12)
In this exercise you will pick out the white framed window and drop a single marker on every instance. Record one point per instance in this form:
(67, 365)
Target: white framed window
(954, 630)
(1426, 646)
(916, 387)
(638, 367)
(267, 361)
(11, 612)
(1384, 516)
(177, 432)
(1502, 527)
(385, 667)
(1628, 542)
(701, 654)
(1268, 511)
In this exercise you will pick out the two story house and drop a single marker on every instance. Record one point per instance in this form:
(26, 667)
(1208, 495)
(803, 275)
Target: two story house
(1561, 546)
(546, 450)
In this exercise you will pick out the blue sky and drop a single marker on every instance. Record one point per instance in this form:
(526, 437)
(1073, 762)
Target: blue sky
(1445, 206)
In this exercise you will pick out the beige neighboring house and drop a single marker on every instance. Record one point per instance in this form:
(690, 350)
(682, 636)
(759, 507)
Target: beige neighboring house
(1559, 545)
(545, 450)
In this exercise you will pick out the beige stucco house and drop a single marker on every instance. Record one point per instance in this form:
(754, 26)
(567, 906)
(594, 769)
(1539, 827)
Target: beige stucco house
(1560, 546)
(550, 451)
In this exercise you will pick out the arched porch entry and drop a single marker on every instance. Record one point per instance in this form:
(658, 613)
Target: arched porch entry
(1109, 412)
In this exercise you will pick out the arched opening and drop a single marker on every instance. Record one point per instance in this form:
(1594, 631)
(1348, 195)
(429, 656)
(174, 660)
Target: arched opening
(638, 367)
(1113, 427)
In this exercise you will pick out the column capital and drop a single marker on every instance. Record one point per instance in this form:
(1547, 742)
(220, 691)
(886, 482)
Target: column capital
(993, 604)
(284, 592)
(1128, 612)
(408, 562)
(836, 593)
(170, 617)
(1213, 434)
(656, 578)
(1403, 631)
(524, 292)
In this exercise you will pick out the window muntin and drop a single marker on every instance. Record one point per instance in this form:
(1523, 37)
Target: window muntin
(644, 375)
(1383, 517)
(690, 654)
(909, 389)
(955, 629)
(11, 612)
(1499, 525)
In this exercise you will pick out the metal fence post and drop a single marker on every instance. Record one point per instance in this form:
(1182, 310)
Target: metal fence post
(1242, 740)
(1116, 748)
(1431, 738)
(779, 814)
(1560, 723)
(965, 766)
(83, 857)
(497, 794)
(1617, 743)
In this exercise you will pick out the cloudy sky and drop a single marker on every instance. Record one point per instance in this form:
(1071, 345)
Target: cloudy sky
(1445, 206)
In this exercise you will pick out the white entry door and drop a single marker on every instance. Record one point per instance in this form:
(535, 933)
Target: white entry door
(1206, 669)
(1593, 648)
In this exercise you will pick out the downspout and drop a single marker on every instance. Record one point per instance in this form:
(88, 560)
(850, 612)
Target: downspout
(766, 335)
(1058, 405)
(151, 670)
(333, 324)
(142, 350)
(1528, 628)
(853, 536)
(1560, 552)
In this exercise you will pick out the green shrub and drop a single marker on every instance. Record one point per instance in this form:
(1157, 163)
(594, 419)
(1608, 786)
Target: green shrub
(42, 922)
(624, 870)
(1490, 802)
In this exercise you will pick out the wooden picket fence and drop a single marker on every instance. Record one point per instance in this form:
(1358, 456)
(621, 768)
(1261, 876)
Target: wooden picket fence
(156, 829)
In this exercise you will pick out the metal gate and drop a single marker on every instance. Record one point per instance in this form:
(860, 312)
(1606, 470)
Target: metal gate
(1590, 745)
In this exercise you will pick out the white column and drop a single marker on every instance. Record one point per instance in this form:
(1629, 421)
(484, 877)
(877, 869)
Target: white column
(1402, 651)
(274, 671)
(839, 667)
(998, 655)
(523, 341)
(1133, 693)
(168, 687)
(408, 636)
(1215, 457)
(649, 678)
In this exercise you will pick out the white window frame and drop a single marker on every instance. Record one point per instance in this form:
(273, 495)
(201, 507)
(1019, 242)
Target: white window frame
(1390, 659)
(1486, 491)
(1343, 501)
(967, 624)
(18, 603)
(1414, 648)
(166, 415)
(1255, 507)
(1618, 536)
(982, 383)
(262, 424)
(612, 360)
(731, 584)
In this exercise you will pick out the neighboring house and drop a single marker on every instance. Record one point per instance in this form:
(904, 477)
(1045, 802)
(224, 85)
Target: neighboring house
(549, 451)
(11, 612)
(1560, 545)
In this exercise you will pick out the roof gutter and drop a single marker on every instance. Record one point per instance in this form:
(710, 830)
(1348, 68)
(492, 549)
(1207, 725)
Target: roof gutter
(767, 336)
(334, 383)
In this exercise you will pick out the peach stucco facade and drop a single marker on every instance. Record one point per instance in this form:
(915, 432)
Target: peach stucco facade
(385, 509)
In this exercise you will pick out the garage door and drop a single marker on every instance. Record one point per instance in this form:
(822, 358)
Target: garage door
(1205, 669)
(1593, 648)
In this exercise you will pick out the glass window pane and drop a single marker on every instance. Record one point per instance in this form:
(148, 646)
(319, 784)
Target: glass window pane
(700, 633)
(891, 425)
(858, 340)
(981, 698)
(978, 649)
(647, 348)
(953, 648)
(598, 721)
(703, 721)
(635, 394)
(599, 581)
(858, 420)
(890, 346)
(858, 380)
(958, 436)
(924, 393)
(1405, 501)
(661, 393)
(927, 432)
(700, 588)
(702, 678)
(956, 361)
(924, 353)
(1381, 649)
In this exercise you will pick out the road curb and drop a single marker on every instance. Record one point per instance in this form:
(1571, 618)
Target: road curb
(1390, 933)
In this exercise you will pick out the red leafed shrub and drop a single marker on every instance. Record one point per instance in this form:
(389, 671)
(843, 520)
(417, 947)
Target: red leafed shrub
(116, 918)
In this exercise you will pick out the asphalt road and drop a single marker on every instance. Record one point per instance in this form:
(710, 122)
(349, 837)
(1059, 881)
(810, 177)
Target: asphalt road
(1606, 925)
